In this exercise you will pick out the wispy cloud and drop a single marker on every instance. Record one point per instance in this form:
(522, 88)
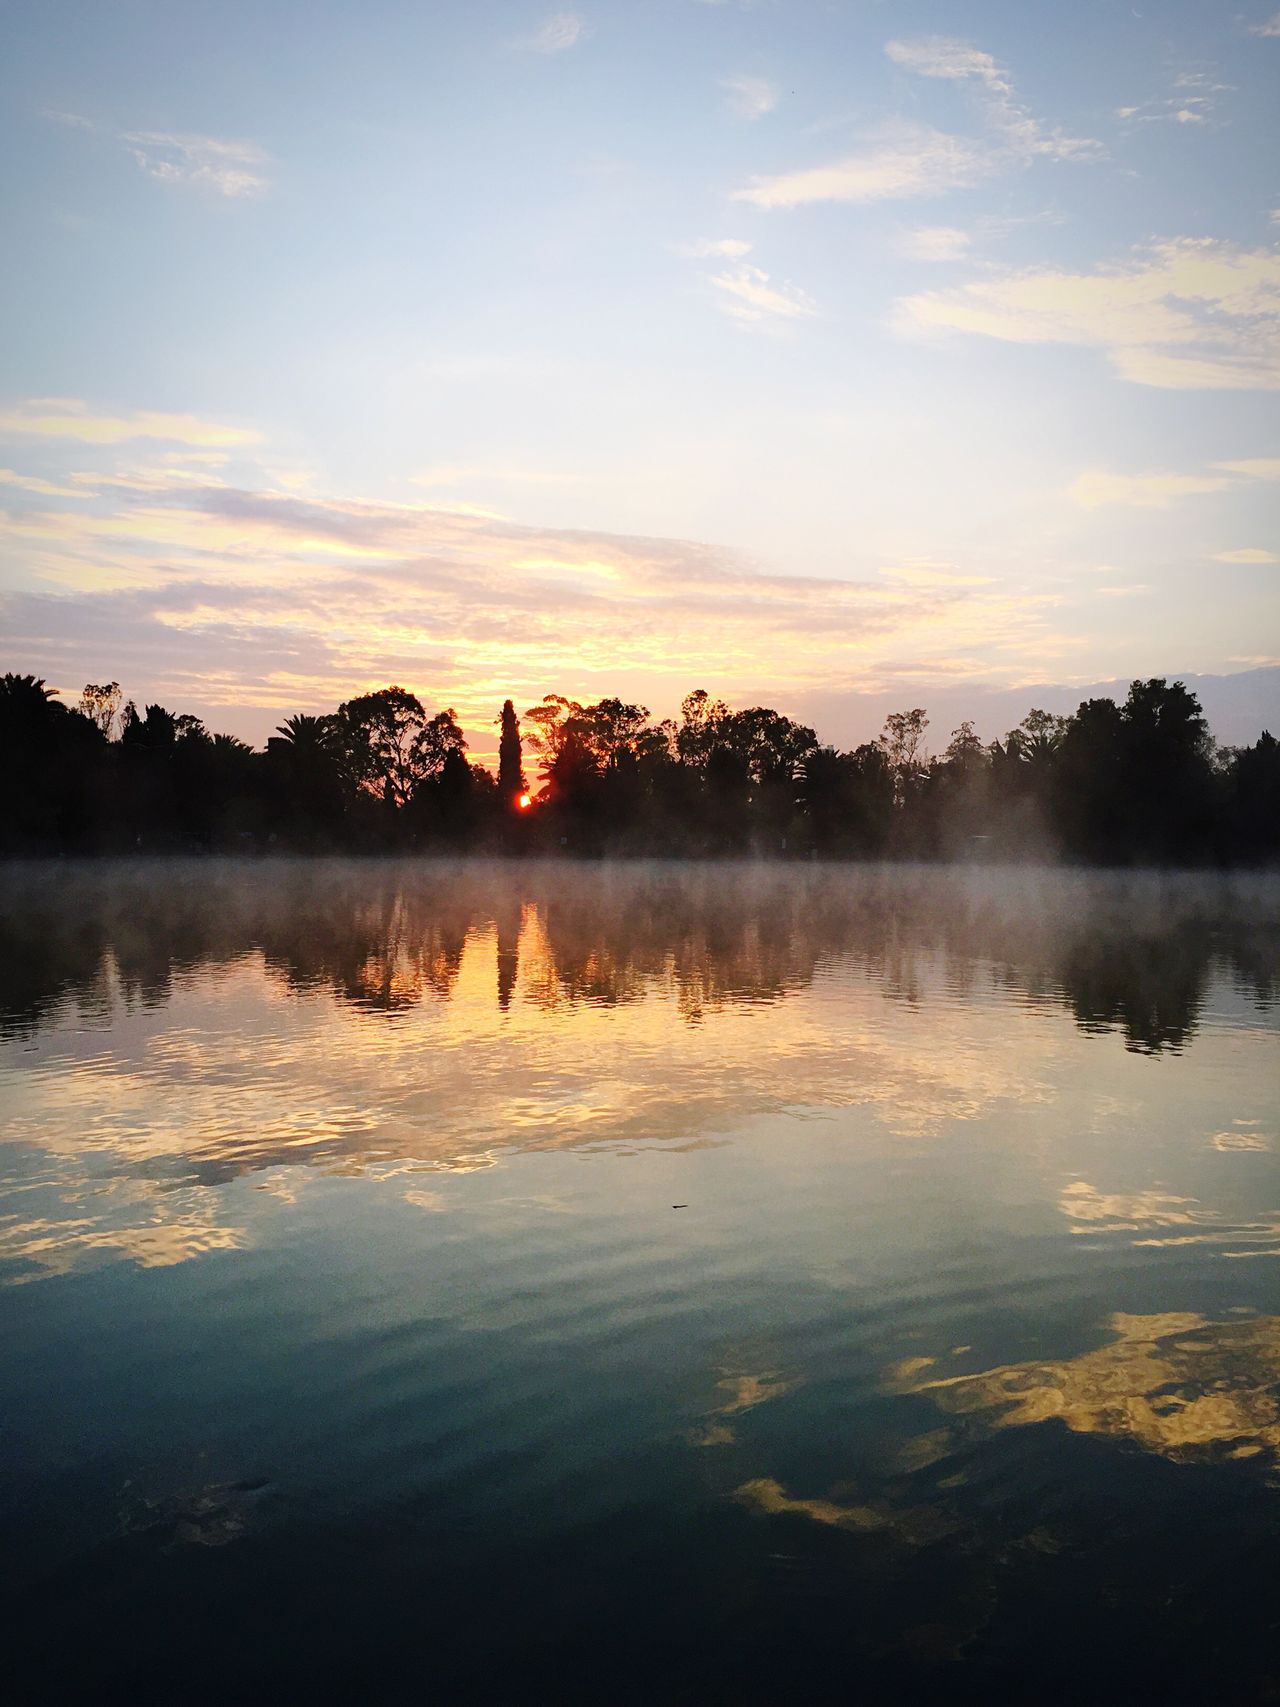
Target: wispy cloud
(747, 293)
(904, 162)
(558, 33)
(70, 418)
(226, 168)
(1246, 554)
(749, 97)
(35, 483)
(959, 61)
(1190, 314)
(935, 243)
(201, 162)
(1254, 467)
(732, 248)
(1156, 491)
(73, 121)
(1267, 27)
(1193, 101)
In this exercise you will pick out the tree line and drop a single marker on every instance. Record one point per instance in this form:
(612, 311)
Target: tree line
(1140, 781)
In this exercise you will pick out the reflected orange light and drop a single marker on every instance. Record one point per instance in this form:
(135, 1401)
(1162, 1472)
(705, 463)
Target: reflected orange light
(524, 802)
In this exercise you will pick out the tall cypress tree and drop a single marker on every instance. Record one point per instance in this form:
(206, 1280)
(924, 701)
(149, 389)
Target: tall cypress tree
(511, 783)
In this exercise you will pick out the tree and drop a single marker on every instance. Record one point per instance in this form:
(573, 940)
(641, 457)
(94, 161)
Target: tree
(902, 742)
(379, 734)
(511, 778)
(100, 703)
(700, 720)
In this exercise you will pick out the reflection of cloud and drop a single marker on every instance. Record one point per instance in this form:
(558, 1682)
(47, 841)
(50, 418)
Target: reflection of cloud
(1240, 1137)
(1177, 1384)
(742, 1393)
(52, 1246)
(378, 1020)
(1116, 1212)
(1134, 1212)
(916, 1525)
(434, 1201)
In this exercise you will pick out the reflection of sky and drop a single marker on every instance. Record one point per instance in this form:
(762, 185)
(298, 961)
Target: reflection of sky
(433, 1039)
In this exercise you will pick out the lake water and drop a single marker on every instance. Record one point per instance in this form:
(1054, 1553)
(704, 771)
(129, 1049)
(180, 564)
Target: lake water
(638, 1284)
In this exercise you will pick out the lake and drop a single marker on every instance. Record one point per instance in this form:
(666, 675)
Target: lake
(638, 1283)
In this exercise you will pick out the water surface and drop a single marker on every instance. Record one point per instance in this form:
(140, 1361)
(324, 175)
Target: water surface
(638, 1283)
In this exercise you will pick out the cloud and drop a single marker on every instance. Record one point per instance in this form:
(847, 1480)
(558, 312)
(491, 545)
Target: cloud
(236, 169)
(958, 61)
(454, 473)
(750, 97)
(224, 596)
(1246, 554)
(1268, 27)
(73, 121)
(1192, 102)
(1255, 467)
(915, 160)
(33, 483)
(202, 162)
(732, 248)
(69, 418)
(935, 243)
(561, 31)
(1142, 491)
(907, 161)
(1189, 314)
(747, 294)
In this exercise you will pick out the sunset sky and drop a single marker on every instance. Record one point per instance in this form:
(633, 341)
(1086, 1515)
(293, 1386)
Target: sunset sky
(805, 350)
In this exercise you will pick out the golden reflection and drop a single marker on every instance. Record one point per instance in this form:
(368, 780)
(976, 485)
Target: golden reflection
(58, 1246)
(181, 1024)
(741, 1393)
(916, 1525)
(1179, 1384)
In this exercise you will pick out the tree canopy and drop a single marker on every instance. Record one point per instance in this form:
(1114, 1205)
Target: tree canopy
(1129, 782)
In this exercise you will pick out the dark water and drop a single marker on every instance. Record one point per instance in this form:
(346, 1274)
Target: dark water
(352, 1345)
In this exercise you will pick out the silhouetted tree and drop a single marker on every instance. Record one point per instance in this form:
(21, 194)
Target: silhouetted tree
(511, 777)
(1137, 782)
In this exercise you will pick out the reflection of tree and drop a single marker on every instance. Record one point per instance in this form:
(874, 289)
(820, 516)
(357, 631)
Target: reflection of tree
(1132, 954)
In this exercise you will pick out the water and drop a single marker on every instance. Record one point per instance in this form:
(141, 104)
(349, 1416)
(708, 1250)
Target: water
(353, 1345)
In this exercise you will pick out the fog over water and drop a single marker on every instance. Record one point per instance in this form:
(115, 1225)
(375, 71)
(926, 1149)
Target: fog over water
(639, 1281)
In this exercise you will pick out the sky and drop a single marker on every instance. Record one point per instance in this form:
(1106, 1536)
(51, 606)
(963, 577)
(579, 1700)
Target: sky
(815, 352)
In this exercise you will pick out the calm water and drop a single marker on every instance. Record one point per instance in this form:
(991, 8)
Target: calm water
(353, 1345)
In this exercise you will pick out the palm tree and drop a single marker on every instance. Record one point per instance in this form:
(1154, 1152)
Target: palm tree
(306, 734)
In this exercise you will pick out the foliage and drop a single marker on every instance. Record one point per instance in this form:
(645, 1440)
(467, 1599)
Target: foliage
(1139, 781)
